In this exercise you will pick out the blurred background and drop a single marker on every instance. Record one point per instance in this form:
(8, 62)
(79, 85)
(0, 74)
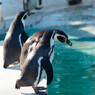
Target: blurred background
(74, 67)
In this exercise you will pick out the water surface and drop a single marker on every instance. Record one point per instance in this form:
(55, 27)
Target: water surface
(74, 68)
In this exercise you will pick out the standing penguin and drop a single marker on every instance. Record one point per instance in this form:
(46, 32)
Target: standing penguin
(39, 58)
(14, 39)
(2, 21)
(29, 45)
(32, 4)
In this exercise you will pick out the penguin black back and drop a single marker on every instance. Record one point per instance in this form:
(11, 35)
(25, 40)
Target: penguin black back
(13, 40)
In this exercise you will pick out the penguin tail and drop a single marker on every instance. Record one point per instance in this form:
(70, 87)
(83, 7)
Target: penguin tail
(17, 85)
(5, 65)
(47, 66)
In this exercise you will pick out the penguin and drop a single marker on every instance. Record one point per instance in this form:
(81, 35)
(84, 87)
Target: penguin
(29, 5)
(39, 58)
(14, 39)
(29, 45)
(2, 21)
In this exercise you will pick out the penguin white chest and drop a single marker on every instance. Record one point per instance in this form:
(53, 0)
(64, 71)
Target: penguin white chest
(51, 53)
(39, 71)
(52, 56)
(20, 40)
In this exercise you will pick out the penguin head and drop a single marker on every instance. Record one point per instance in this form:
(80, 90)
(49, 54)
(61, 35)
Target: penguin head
(22, 16)
(64, 40)
(26, 14)
(62, 37)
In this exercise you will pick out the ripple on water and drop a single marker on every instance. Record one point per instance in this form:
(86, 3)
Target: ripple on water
(74, 70)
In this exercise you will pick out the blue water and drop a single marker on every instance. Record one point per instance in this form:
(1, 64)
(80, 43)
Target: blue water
(74, 68)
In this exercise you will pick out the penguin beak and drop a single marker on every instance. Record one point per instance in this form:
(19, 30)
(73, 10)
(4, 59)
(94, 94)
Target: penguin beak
(30, 13)
(68, 42)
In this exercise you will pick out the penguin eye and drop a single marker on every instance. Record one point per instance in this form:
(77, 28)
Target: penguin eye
(61, 39)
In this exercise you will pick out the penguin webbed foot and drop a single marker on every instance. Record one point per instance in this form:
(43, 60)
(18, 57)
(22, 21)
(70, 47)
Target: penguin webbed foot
(36, 90)
(41, 88)
(38, 8)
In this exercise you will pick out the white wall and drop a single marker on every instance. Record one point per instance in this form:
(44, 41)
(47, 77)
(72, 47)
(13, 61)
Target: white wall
(54, 3)
(12, 7)
(87, 2)
(63, 3)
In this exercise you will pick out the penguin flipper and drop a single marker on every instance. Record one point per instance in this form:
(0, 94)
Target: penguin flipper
(45, 63)
(24, 37)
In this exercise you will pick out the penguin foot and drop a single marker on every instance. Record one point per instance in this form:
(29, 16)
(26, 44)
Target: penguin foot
(38, 8)
(41, 88)
(36, 90)
(42, 93)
